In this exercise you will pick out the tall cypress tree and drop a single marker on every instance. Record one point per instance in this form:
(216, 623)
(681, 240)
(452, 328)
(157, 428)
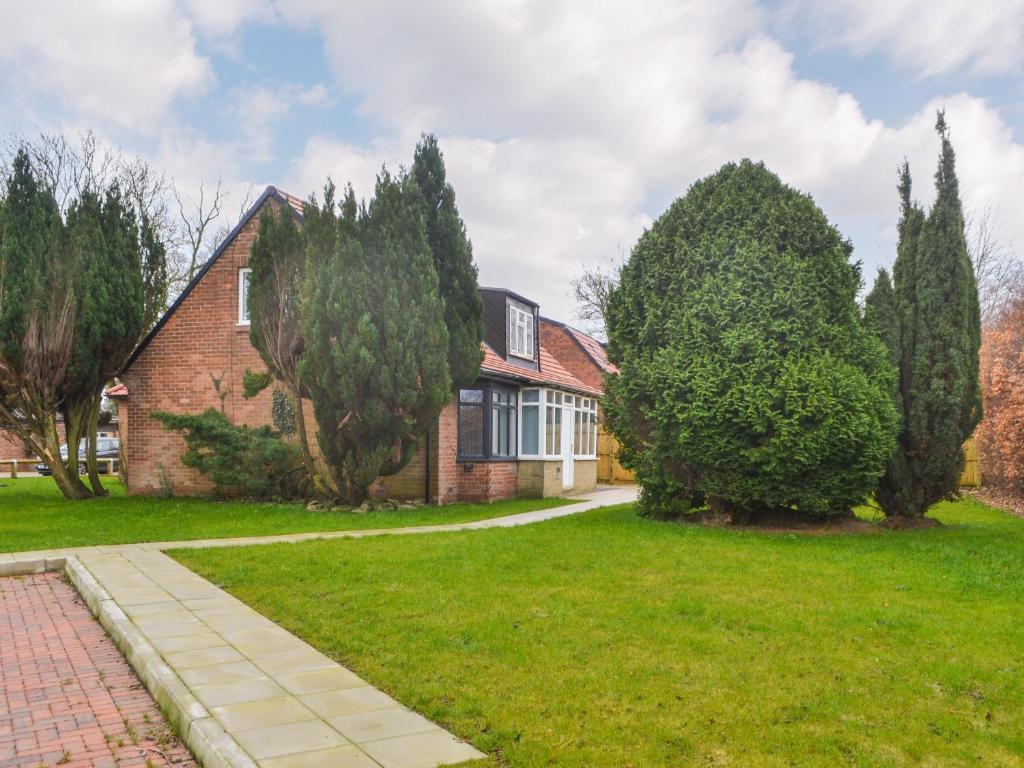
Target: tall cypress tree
(37, 312)
(939, 335)
(453, 260)
(375, 362)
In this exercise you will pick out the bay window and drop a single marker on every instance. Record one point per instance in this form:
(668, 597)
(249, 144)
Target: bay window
(541, 415)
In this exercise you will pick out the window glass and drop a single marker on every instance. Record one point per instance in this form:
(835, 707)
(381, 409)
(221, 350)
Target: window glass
(243, 295)
(471, 395)
(531, 429)
(553, 442)
(503, 423)
(471, 430)
(579, 446)
(531, 395)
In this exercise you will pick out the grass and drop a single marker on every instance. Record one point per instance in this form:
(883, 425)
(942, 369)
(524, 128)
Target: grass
(607, 640)
(33, 515)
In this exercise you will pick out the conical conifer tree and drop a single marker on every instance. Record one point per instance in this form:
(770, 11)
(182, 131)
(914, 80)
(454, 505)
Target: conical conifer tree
(453, 260)
(939, 336)
(375, 362)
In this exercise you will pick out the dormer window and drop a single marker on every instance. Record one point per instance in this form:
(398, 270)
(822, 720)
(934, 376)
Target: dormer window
(520, 330)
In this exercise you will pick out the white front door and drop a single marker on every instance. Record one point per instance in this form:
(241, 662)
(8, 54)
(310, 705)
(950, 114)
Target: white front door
(567, 448)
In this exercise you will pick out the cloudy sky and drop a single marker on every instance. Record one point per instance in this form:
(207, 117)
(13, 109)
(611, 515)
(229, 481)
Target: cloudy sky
(567, 126)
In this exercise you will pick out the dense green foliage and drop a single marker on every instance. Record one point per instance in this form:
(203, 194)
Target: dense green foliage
(747, 376)
(453, 260)
(33, 516)
(932, 328)
(78, 289)
(253, 462)
(602, 641)
(375, 363)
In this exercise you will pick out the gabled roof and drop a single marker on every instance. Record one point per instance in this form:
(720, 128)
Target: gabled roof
(280, 196)
(551, 372)
(593, 348)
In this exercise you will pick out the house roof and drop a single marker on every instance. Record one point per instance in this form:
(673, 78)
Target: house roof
(270, 192)
(551, 372)
(593, 348)
(117, 391)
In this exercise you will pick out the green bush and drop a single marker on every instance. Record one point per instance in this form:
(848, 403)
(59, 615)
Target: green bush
(242, 461)
(747, 378)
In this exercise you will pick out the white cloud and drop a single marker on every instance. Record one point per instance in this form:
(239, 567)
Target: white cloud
(560, 122)
(982, 36)
(113, 60)
(218, 18)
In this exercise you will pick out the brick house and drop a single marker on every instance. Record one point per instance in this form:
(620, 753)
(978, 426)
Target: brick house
(526, 427)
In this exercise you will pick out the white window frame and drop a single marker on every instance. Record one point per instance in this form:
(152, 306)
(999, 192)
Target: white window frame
(520, 316)
(584, 404)
(244, 276)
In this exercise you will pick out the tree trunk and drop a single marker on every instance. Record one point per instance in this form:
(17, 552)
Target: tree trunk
(320, 486)
(90, 457)
(69, 484)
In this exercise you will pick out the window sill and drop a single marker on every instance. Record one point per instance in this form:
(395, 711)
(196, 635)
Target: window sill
(484, 459)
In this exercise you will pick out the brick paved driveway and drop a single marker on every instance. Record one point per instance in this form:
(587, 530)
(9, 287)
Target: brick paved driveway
(67, 696)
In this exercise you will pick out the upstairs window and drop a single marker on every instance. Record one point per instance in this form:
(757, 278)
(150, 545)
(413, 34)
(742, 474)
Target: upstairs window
(520, 330)
(243, 296)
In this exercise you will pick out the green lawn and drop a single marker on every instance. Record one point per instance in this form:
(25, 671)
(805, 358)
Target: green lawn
(33, 515)
(607, 640)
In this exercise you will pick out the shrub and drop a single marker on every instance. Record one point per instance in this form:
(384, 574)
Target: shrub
(242, 461)
(746, 374)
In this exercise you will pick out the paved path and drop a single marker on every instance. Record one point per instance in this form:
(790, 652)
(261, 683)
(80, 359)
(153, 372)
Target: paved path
(242, 690)
(67, 696)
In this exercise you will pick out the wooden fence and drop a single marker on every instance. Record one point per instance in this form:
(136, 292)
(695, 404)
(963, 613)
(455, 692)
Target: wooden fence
(971, 477)
(608, 468)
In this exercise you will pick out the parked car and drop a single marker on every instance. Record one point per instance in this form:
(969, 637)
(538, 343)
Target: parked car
(106, 448)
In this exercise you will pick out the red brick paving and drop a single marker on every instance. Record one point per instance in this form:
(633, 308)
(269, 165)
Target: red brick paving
(67, 696)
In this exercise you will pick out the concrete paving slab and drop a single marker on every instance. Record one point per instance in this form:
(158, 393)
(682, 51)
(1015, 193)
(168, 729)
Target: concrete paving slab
(224, 694)
(317, 680)
(289, 739)
(420, 750)
(219, 674)
(337, 757)
(262, 714)
(349, 701)
(380, 724)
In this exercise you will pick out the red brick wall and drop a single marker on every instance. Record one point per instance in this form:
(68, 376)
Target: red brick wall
(11, 447)
(173, 373)
(560, 343)
(483, 481)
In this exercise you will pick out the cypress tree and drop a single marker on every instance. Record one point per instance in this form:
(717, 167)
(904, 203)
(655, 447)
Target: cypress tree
(453, 260)
(747, 378)
(375, 362)
(37, 311)
(939, 336)
(106, 253)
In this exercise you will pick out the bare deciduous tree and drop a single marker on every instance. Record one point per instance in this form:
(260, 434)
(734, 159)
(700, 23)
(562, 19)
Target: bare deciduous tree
(998, 269)
(591, 290)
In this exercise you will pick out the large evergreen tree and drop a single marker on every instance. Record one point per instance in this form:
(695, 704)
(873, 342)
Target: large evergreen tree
(375, 361)
(935, 299)
(453, 260)
(37, 318)
(277, 282)
(747, 378)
